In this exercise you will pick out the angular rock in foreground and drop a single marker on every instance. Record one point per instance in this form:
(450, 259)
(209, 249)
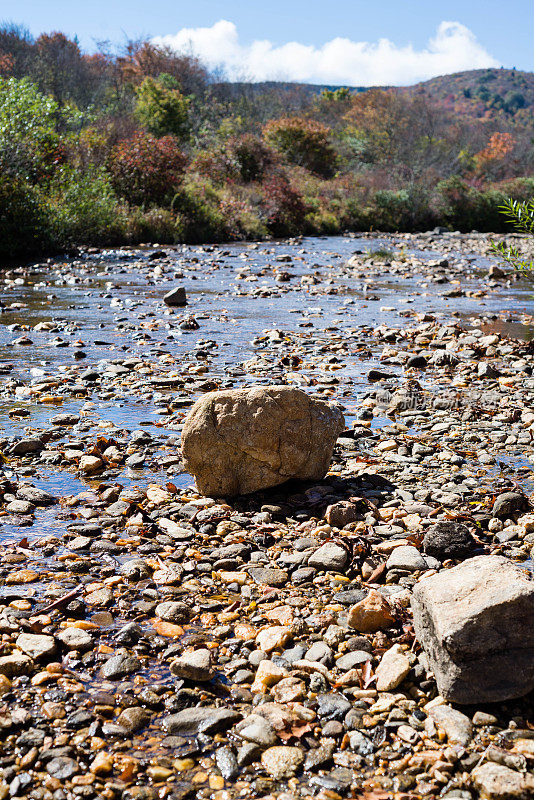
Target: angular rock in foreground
(241, 440)
(475, 624)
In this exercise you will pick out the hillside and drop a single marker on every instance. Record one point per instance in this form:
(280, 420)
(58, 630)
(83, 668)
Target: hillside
(483, 93)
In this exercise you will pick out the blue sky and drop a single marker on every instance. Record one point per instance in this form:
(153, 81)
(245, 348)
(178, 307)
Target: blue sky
(335, 41)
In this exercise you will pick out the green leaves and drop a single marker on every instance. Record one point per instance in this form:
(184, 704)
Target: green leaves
(161, 108)
(521, 215)
(24, 110)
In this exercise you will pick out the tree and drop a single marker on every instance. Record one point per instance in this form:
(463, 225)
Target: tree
(16, 46)
(303, 142)
(59, 68)
(29, 145)
(147, 60)
(161, 107)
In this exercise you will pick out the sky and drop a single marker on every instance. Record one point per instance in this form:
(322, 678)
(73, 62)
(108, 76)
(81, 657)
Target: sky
(349, 42)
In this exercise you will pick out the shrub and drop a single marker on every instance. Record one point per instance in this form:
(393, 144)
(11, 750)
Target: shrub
(153, 225)
(284, 206)
(252, 157)
(467, 208)
(197, 203)
(146, 170)
(401, 209)
(25, 223)
(216, 164)
(161, 107)
(303, 142)
(86, 209)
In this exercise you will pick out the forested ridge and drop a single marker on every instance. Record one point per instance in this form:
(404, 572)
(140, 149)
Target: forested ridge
(138, 143)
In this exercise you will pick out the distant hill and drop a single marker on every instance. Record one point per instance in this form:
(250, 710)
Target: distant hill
(477, 93)
(482, 93)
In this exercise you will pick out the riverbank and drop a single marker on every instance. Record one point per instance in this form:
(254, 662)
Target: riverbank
(112, 566)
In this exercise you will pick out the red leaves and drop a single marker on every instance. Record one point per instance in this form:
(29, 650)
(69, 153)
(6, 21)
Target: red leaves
(145, 169)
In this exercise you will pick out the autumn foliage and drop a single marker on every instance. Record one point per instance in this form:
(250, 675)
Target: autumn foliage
(140, 142)
(145, 169)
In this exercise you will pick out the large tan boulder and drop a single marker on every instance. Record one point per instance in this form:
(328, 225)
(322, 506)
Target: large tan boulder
(241, 440)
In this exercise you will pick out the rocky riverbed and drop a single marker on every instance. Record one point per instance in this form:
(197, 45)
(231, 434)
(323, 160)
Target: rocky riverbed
(158, 643)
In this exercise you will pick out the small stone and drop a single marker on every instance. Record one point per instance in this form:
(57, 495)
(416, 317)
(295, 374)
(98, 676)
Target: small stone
(100, 598)
(256, 729)
(134, 718)
(481, 718)
(195, 666)
(282, 761)
(330, 557)
(508, 503)
(119, 666)
(393, 668)
(273, 637)
(88, 465)
(15, 664)
(343, 513)
(448, 540)
(37, 645)
(371, 614)
(62, 768)
(102, 764)
(332, 706)
(76, 639)
(289, 690)
(227, 762)
(191, 721)
(320, 757)
(496, 273)
(269, 577)
(353, 659)
(406, 557)
(456, 725)
(172, 611)
(267, 675)
(176, 297)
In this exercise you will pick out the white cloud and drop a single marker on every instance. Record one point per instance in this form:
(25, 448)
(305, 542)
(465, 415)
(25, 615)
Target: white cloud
(339, 61)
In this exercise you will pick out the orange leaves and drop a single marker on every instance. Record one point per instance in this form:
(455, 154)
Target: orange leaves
(498, 146)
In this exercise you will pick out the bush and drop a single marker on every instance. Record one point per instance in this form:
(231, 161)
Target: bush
(216, 164)
(25, 222)
(146, 170)
(252, 157)
(467, 208)
(201, 217)
(153, 225)
(86, 209)
(302, 142)
(284, 206)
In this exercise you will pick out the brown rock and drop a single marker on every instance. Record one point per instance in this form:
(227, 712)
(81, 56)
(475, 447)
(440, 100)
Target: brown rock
(344, 512)
(242, 440)
(371, 614)
(495, 782)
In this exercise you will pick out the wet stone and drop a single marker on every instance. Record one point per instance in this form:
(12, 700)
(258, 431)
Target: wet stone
(119, 666)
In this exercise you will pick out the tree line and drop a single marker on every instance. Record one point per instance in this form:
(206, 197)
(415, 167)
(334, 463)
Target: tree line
(139, 143)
